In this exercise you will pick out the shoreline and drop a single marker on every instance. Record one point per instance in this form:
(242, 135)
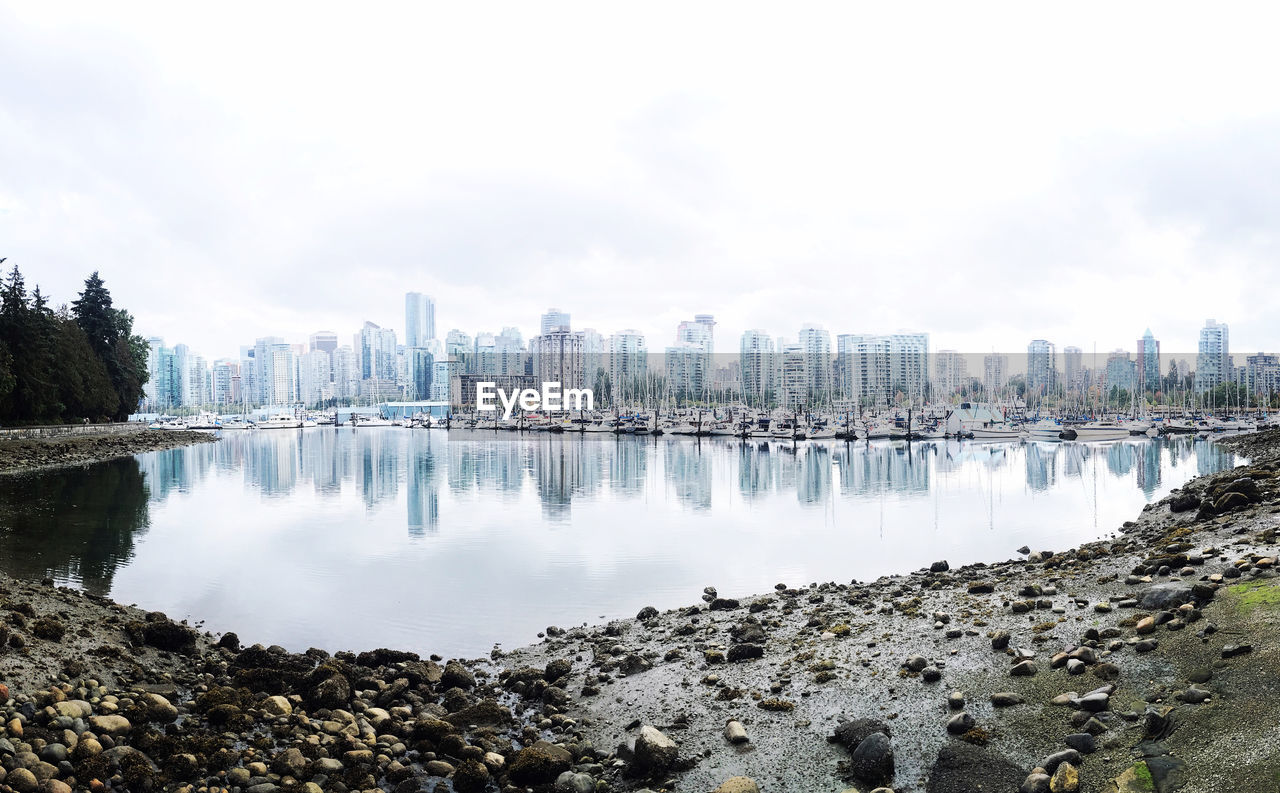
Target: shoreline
(20, 456)
(644, 702)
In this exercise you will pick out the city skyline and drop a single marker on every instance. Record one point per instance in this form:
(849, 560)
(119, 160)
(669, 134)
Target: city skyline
(271, 196)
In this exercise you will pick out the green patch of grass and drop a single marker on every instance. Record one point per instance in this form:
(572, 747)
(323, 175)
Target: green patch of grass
(1255, 594)
(1143, 775)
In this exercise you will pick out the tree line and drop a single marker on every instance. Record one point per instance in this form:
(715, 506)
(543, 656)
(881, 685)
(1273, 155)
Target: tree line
(68, 364)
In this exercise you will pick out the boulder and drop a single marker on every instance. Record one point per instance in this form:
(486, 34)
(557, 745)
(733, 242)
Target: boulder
(654, 752)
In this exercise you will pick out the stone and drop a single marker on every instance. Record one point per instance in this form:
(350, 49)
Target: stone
(939, 567)
(1082, 742)
(569, 782)
(110, 724)
(1023, 669)
(1065, 780)
(1233, 650)
(872, 761)
(1005, 699)
(956, 700)
(999, 640)
(931, 674)
(55, 786)
(850, 734)
(744, 652)
(438, 768)
(738, 784)
(1166, 596)
(457, 675)
(1075, 666)
(290, 762)
(654, 752)
(960, 723)
(22, 780)
(646, 613)
(1195, 696)
(1035, 783)
(1145, 625)
(734, 732)
(539, 764)
(1051, 763)
(915, 663)
(277, 706)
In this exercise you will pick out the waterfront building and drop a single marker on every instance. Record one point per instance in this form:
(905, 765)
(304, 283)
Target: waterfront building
(864, 361)
(794, 382)
(419, 319)
(1263, 375)
(756, 357)
(628, 365)
(1121, 372)
(226, 382)
(557, 357)
(950, 373)
(1073, 371)
(815, 343)
(1148, 363)
(1041, 367)
(315, 377)
(463, 387)
(1213, 358)
(686, 370)
(377, 353)
(995, 373)
(909, 364)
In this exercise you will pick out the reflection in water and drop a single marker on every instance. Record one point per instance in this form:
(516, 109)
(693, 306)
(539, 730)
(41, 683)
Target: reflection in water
(369, 538)
(76, 526)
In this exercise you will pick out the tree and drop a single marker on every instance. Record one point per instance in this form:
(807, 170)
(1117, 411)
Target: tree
(110, 334)
(23, 331)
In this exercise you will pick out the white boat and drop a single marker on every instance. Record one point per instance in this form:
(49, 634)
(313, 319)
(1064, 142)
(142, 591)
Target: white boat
(176, 424)
(281, 421)
(1046, 430)
(820, 432)
(369, 421)
(997, 432)
(1100, 431)
(237, 424)
(204, 421)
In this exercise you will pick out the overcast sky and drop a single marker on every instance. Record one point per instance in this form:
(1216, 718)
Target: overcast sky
(243, 170)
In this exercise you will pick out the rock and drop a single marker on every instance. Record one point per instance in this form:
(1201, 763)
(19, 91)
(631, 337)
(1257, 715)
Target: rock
(960, 723)
(723, 604)
(110, 724)
(438, 768)
(557, 669)
(963, 768)
(1145, 625)
(931, 674)
(569, 782)
(738, 784)
(956, 700)
(744, 652)
(915, 663)
(872, 761)
(158, 708)
(850, 734)
(457, 675)
(646, 613)
(939, 567)
(1233, 650)
(1166, 596)
(1065, 780)
(1184, 502)
(55, 786)
(539, 764)
(277, 706)
(1023, 669)
(290, 762)
(22, 780)
(734, 732)
(1082, 742)
(999, 640)
(654, 752)
(1051, 763)
(1195, 696)
(981, 588)
(1075, 666)
(1035, 783)
(1005, 699)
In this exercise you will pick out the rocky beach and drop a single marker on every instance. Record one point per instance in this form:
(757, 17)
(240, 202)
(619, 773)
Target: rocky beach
(25, 455)
(1147, 660)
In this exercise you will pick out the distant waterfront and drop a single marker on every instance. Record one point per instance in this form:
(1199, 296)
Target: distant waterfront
(449, 543)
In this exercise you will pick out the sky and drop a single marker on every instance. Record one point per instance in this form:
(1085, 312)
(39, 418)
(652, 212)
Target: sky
(989, 173)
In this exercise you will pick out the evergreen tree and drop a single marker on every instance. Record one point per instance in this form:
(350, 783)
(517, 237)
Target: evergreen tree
(110, 334)
(34, 395)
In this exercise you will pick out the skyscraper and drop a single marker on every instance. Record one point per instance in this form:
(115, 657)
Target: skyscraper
(377, 353)
(816, 343)
(995, 373)
(755, 354)
(1148, 363)
(1041, 367)
(1073, 368)
(325, 340)
(950, 372)
(1213, 359)
(419, 319)
(554, 318)
(628, 365)
(557, 357)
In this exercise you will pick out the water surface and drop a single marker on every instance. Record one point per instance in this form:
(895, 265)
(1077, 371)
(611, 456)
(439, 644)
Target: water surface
(452, 542)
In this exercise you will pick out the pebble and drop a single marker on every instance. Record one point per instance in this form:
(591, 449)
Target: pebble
(734, 732)
(738, 784)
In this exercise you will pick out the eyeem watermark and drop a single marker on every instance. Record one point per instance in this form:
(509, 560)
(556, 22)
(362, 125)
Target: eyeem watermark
(552, 397)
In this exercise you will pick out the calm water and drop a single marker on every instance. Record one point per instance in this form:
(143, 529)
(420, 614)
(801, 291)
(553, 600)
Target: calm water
(450, 543)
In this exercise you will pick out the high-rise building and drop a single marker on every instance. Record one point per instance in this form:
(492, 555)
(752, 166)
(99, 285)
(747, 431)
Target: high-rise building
(377, 353)
(226, 382)
(815, 342)
(1148, 363)
(422, 372)
(1122, 373)
(628, 365)
(1042, 371)
(554, 318)
(995, 373)
(419, 319)
(794, 377)
(1263, 376)
(325, 340)
(950, 373)
(865, 366)
(687, 370)
(315, 377)
(909, 364)
(701, 330)
(1213, 359)
(756, 356)
(557, 357)
(346, 376)
(154, 343)
(1073, 368)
